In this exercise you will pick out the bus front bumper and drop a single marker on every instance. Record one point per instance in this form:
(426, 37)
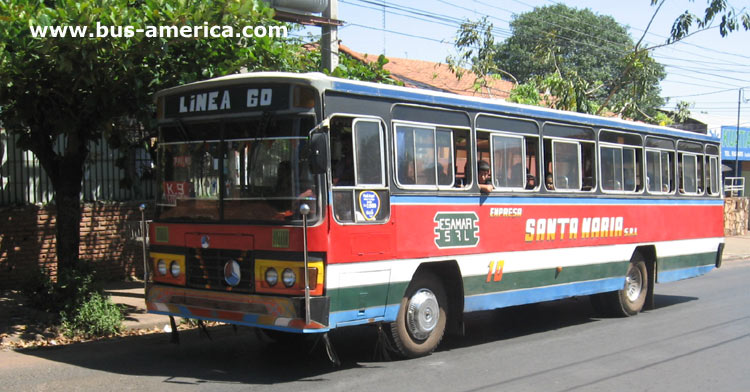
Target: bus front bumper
(254, 310)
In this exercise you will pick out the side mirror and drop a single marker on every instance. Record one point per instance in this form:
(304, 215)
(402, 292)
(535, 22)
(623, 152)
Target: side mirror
(318, 153)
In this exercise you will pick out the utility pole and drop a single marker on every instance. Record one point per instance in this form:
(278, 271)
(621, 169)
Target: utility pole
(737, 141)
(329, 40)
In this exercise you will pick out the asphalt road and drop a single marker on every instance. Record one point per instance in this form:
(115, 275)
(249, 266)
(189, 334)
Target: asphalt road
(697, 339)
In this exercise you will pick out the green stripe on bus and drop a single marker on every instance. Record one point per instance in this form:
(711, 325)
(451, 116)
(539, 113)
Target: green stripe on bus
(474, 285)
(360, 297)
(685, 261)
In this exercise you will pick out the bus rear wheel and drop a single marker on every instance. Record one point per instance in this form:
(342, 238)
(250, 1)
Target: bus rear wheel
(630, 300)
(422, 317)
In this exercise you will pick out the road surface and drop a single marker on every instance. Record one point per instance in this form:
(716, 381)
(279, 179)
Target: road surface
(697, 339)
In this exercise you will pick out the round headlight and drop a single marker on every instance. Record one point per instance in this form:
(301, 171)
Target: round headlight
(174, 268)
(272, 276)
(288, 277)
(161, 266)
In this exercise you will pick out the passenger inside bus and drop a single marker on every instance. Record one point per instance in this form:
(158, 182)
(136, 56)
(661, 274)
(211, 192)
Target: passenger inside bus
(530, 181)
(484, 177)
(548, 181)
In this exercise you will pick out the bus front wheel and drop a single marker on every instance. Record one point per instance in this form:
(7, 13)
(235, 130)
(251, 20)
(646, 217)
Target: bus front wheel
(421, 319)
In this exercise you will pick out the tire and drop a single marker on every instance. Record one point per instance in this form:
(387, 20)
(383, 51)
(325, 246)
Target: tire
(628, 301)
(422, 317)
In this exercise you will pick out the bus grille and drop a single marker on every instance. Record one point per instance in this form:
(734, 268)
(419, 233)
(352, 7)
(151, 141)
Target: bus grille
(205, 269)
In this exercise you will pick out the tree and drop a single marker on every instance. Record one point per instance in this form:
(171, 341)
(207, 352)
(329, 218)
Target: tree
(59, 94)
(476, 50)
(592, 54)
(731, 20)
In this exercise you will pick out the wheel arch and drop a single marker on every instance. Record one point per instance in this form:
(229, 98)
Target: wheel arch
(450, 276)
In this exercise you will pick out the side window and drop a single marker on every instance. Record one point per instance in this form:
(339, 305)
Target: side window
(619, 168)
(369, 154)
(712, 180)
(513, 159)
(688, 165)
(569, 165)
(508, 161)
(659, 171)
(532, 162)
(566, 168)
(358, 176)
(425, 156)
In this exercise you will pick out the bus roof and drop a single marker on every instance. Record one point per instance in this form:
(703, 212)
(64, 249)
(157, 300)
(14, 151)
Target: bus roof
(428, 97)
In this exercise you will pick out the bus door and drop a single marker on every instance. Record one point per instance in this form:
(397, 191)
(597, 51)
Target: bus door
(360, 213)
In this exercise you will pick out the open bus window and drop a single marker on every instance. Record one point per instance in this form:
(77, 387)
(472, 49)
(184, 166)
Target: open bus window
(461, 157)
(358, 170)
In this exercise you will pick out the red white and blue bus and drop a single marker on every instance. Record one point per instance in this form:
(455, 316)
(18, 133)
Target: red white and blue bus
(302, 203)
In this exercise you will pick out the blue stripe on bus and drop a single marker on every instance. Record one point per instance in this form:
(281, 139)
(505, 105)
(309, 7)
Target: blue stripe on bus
(540, 294)
(505, 200)
(685, 273)
(487, 301)
(416, 95)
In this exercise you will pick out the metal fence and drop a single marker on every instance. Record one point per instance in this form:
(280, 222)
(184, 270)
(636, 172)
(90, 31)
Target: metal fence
(734, 186)
(24, 181)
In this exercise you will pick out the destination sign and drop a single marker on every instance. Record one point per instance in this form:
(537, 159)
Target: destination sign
(229, 99)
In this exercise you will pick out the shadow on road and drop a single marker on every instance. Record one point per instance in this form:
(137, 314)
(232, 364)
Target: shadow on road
(242, 357)
(665, 301)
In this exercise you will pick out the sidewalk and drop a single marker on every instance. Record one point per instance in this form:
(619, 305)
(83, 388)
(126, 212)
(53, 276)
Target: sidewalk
(737, 248)
(131, 296)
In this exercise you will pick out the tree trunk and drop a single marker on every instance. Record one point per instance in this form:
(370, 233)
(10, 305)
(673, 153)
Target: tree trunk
(66, 174)
(68, 200)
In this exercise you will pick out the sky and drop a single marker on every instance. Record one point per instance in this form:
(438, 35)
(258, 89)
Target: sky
(706, 69)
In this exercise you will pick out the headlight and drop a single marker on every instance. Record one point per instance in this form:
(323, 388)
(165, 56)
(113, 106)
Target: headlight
(288, 277)
(174, 268)
(272, 276)
(161, 266)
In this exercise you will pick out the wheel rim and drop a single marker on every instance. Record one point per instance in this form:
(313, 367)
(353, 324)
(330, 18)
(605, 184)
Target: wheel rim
(633, 284)
(422, 314)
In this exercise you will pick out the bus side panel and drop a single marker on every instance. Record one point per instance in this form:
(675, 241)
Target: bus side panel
(507, 257)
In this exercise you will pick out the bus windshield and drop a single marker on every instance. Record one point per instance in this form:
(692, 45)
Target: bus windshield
(248, 170)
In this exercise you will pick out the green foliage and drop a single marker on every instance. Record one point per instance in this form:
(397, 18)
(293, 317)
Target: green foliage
(67, 292)
(372, 71)
(585, 61)
(731, 20)
(96, 316)
(682, 111)
(662, 119)
(77, 300)
(527, 94)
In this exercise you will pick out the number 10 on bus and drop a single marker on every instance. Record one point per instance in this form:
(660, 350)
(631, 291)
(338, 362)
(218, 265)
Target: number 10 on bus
(495, 273)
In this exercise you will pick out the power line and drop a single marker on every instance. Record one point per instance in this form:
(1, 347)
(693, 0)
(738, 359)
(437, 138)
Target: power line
(399, 33)
(660, 36)
(432, 17)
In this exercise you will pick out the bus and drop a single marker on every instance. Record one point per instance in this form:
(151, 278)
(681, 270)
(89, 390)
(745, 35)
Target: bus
(303, 203)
